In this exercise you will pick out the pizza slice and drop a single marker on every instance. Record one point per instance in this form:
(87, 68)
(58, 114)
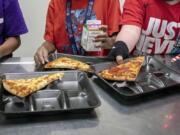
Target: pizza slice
(65, 62)
(24, 87)
(127, 71)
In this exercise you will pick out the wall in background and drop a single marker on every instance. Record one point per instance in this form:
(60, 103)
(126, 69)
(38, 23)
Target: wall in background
(34, 12)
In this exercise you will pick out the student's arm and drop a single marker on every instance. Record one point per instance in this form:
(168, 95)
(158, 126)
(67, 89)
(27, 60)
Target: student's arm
(10, 45)
(132, 22)
(41, 55)
(129, 35)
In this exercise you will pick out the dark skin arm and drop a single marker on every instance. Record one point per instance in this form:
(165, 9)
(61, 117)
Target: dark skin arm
(41, 55)
(10, 45)
(105, 39)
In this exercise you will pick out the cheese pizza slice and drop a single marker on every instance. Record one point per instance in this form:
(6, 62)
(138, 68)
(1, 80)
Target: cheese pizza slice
(24, 87)
(65, 62)
(127, 71)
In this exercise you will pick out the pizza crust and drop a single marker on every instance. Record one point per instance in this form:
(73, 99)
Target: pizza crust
(65, 62)
(24, 87)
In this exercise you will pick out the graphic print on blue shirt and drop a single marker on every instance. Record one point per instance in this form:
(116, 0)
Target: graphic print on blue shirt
(77, 17)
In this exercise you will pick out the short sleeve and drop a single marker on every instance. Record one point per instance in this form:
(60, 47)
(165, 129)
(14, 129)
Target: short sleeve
(14, 24)
(114, 16)
(133, 13)
(49, 29)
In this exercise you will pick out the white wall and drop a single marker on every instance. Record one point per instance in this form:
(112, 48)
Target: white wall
(34, 12)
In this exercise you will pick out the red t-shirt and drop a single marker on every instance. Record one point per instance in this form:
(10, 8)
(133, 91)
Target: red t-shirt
(160, 23)
(108, 11)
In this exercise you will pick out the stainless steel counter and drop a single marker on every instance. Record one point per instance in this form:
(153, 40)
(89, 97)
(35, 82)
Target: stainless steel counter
(158, 116)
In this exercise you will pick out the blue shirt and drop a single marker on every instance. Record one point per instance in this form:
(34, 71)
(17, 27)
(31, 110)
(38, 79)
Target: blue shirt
(11, 20)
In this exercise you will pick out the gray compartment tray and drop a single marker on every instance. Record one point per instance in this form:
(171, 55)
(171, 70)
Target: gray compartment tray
(74, 93)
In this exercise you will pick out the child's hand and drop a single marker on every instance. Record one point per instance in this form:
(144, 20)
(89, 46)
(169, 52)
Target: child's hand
(106, 41)
(41, 55)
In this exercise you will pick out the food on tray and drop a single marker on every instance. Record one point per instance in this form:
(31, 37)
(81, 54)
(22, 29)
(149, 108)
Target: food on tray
(65, 62)
(24, 87)
(124, 72)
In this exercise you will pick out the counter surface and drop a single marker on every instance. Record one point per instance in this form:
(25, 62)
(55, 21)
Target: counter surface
(157, 116)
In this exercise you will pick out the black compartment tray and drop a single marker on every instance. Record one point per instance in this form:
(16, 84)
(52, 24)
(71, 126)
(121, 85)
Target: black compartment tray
(74, 93)
(153, 77)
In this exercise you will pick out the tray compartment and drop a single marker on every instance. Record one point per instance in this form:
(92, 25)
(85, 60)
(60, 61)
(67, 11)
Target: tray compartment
(77, 99)
(10, 103)
(46, 100)
(127, 88)
(166, 78)
(150, 82)
(15, 104)
(78, 92)
(151, 65)
(71, 81)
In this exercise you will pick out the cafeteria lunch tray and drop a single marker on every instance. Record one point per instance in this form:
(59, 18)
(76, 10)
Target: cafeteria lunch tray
(73, 93)
(154, 76)
(90, 60)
